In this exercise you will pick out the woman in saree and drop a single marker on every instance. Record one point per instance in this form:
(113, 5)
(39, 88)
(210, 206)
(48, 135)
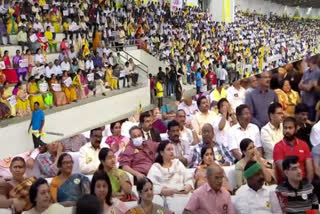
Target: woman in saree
(84, 83)
(10, 72)
(20, 71)
(97, 39)
(200, 173)
(12, 26)
(55, 18)
(29, 56)
(44, 90)
(288, 98)
(59, 97)
(120, 182)
(23, 103)
(108, 75)
(43, 44)
(34, 92)
(41, 200)
(14, 193)
(66, 188)
(117, 142)
(68, 88)
(77, 83)
(145, 204)
(101, 187)
(6, 92)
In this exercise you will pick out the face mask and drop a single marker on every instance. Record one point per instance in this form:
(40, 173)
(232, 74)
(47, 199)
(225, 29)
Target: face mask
(137, 141)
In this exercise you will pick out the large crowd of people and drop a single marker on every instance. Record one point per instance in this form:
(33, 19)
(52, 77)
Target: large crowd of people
(215, 152)
(196, 49)
(248, 142)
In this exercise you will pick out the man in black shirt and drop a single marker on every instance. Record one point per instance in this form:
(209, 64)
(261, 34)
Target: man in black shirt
(303, 125)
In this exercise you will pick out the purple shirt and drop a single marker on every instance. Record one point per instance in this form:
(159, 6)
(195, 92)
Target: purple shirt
(140, 160)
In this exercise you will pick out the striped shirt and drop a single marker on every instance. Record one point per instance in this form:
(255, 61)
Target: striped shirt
(296, 200)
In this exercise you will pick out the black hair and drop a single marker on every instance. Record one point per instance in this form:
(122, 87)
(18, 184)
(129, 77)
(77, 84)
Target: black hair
(288, 161)
(272, 108)
(61, 157)
(240, 109)
(244, 145)
(173, 123)
(134, 128)
(161, 148)
(18, 158)
(221, 101)
(301, 107)
(290, 119)
(200, 99)
(89, 204)
(140, 184)
(143, 116)
(93, 130)
(112, 125)
(249, 164)
(34, 190)
(102, 156)
(101, 175)
(37, 103)
(203, 151)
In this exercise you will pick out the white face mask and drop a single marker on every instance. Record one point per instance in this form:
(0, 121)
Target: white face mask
(137, 141)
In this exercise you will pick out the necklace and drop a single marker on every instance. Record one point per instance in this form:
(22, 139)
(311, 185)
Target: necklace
(145, 211)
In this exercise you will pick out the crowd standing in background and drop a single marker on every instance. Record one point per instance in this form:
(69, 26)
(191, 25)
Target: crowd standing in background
(241, 145)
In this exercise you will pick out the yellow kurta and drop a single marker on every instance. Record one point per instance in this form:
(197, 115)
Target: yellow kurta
(35, 96)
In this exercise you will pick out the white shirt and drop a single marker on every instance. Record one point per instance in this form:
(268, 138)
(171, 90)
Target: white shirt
(235, 97)
(189, 110)
(221, 136)
(264, 201)
(38, 26)
(186, 135)
(270, 136)
(88, 159)
(222, 74)
(315, 134)
(65, 66)
(39, 58)
(49, 71)
(89, 65)
(57, 70)
(237, 134)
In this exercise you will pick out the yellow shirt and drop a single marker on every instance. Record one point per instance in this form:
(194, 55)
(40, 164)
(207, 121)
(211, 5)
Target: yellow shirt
(48, 35)
(159, 90)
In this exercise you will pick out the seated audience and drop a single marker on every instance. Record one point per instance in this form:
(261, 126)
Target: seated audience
(287, 97)
(34, 93)
(47, 161)
(169, 175)
(181, 147)
(139, 155)
(224, 121)
(304, 126)
(145, 204)
(116, 141)
(250, 153)
(89, 153)
(148, 132)
(255, 196)
(14, 192)
(188, 134)
(221, 155)
(244, 129)
(59, 97)
(89, 204)
(295, 194)
(211, 197)
(207, 159)
(23, 103)
(66, 188)
(120, 182)
(40, 198)
(101, 188)
(272, 132)
(290, 145)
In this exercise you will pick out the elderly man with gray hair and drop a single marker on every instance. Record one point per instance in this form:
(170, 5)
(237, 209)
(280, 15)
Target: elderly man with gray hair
(211, 197)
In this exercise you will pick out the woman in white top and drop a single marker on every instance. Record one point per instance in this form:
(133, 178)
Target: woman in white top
(225, 119)
(41, 200)
(39, 58)
(170, 177)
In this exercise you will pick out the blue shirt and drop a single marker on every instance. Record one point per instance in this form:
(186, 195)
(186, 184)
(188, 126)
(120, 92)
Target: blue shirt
(198, 83)
(37, 118)
(310, 98)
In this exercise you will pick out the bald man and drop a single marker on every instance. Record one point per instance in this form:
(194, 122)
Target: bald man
(219, 198)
